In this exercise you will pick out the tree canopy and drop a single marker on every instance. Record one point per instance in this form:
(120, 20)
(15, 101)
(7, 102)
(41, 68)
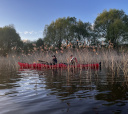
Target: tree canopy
(112, 25)
(65, 30)
(9, 38)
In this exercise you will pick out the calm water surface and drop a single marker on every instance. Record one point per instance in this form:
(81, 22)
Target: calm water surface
(61, 91)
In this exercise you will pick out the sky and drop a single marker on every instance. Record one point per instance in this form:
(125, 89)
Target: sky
(29, 17)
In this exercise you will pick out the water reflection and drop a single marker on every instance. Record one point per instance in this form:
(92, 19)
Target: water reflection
(63, 90)
(69, 85)
(8, 79)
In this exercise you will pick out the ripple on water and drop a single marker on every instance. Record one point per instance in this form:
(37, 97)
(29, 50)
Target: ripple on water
(53, 91)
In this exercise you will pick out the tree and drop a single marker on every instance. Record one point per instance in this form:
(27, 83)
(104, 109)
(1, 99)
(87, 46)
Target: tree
(9, 39)
(58, 31)
(69, 30)
(112, 25)
(81, 30)
(28, 47)
(50, 34)
(65, 30)
(40, 42)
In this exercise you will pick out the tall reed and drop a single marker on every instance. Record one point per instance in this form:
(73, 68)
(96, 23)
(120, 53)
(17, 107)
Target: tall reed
(108, 58)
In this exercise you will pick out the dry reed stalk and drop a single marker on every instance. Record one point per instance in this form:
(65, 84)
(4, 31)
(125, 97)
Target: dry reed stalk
(109, 58)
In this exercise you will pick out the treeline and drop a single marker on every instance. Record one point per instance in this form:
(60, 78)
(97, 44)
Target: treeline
(10, 42)
(68, 31)
(111, 25)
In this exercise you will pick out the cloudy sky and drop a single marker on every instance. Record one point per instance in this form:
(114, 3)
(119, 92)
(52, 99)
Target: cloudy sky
(30, 16)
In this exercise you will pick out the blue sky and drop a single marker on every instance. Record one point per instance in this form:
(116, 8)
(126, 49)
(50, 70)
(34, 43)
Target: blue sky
(30, 16)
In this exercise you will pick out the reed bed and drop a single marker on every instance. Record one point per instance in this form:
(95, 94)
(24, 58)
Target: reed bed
(109, 58)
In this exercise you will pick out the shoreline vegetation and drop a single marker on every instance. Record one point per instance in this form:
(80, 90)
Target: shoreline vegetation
(110, 58)
(110, 27)
(68, 36)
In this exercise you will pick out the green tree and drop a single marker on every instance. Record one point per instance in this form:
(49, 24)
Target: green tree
(40, 42)
(69, 30)
(112, 25)
(50, 34)
(28, 47)
(56, 32)
(82, 30)
(65, 30)
(9, 39)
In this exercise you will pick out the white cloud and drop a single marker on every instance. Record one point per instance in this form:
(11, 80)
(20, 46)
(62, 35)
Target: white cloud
(31, 32)
(30, 35)
(28, 32)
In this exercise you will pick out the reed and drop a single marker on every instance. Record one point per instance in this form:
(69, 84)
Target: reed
(109, 58)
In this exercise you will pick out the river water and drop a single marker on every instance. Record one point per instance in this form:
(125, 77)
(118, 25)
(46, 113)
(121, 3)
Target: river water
(62, 91)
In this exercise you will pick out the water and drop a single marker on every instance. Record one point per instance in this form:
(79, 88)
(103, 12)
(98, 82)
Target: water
(59, 91)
